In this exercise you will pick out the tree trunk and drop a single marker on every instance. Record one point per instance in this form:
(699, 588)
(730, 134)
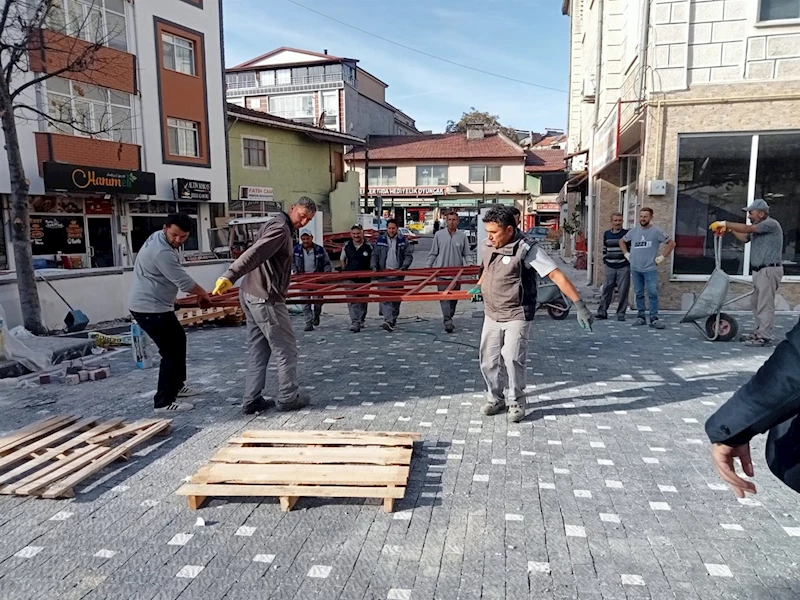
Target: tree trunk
(20, 223)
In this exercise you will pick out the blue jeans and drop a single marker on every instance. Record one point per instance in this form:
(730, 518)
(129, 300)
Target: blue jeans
(642, 281)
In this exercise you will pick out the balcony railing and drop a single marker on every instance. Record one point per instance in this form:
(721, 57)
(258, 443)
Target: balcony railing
(327, 81)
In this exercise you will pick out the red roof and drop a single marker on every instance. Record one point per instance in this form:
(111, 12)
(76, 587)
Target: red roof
(542, 161)
(437, 146)
(551, 141)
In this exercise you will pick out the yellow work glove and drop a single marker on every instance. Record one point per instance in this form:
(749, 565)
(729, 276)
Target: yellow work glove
(718, 226)
(223, 285)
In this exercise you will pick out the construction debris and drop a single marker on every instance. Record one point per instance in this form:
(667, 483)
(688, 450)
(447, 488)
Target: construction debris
(51, 457)
(291, 464)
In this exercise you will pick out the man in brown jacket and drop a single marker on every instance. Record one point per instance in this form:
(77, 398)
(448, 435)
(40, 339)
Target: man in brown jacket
(266, 267)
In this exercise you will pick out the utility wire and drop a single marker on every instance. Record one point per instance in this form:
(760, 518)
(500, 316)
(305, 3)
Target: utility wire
(452, 62)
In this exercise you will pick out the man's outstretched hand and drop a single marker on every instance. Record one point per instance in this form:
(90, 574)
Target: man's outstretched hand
(724, 462)
(223, 285)
(585, 318)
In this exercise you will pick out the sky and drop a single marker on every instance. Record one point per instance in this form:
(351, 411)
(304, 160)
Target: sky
(522, 39)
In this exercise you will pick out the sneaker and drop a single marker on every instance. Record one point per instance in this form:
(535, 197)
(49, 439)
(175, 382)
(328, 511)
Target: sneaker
(299, 402)
(387, 326)
(656, 324)
(640, 321)
(257, 405)
(187, 392)
(316, 321)
(515, 412)
(757, 342)
(621, 317)
(174, 407)
(355, 327)
(449, 327)
(600, 317)
(493, 408)
(309, 327)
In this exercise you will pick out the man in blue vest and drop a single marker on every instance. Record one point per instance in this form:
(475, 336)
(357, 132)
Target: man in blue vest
(309, 257)
(392, 253)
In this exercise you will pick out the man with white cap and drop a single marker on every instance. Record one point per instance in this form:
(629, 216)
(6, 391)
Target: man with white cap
(765, 236)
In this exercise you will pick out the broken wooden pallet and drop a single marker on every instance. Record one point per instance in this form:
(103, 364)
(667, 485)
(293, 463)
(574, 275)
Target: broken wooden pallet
(189, 317)
(291, 464)
(50, 457)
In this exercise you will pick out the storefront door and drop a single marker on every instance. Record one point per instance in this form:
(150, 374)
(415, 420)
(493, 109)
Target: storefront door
(101, 241)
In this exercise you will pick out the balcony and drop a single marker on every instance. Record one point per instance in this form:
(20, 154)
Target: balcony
(310, 83)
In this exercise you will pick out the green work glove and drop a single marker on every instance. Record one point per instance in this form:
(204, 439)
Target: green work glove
(585, 317)
(475, 294)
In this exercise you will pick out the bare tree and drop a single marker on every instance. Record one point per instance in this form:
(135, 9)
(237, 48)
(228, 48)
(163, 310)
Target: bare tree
(41, 41)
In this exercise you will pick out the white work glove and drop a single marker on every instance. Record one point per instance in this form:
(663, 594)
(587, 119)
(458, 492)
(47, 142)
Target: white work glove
(627, 256)
(659, 259)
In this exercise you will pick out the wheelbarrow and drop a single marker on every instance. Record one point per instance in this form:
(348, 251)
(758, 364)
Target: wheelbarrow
(549, 296)
(708, 304)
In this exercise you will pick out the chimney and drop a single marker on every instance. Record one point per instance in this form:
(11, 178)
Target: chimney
(475, 131)
(325, 51)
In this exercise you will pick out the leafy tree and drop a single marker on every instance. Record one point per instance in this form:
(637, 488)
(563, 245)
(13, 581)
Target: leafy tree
(489, 121)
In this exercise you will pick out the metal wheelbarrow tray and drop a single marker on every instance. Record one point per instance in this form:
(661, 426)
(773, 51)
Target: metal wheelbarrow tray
(708, 304)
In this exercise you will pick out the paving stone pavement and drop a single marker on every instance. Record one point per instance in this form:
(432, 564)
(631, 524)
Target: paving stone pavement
(604, 491)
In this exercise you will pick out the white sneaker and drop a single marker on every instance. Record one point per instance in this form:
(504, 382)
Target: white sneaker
(174, 407)
(187, 392)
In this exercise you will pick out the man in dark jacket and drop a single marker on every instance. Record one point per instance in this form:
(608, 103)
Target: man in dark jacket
(392, 252)
(309, 257)
(266, 267)
(357, 256)
(770, 401)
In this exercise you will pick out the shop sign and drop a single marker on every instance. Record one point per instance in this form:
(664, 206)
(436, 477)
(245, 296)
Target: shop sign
(458, 203)
(55, 204)
(53, 234)
(97, 180)
(548, 207)
(406, 191)
(249, 192)
(98, 207)
(605, 150)
(191, 190)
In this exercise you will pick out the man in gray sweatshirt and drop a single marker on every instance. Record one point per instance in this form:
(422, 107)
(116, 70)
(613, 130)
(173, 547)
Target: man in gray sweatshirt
(266, 268)
(157, 277)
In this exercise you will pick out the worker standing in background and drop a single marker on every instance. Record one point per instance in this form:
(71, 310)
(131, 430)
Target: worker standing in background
(765, 236)
(310, 258)
(157, 277)
(392, 252)
(450, 248)
(357, 256)
(266, 267)
(508, 290)
(618, 270)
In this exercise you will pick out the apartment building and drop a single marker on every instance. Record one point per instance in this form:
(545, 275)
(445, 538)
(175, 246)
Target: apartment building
(317, 89)
(418, 178)
(689, 107)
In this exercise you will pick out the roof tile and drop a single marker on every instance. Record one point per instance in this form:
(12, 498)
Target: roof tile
(437, 146)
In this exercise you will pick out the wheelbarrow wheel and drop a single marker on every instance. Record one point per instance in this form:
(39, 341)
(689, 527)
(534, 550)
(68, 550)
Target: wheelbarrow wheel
(728, 327)
(558, 310)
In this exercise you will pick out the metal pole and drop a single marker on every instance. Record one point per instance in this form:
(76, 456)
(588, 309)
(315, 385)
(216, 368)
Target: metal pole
(366, 176)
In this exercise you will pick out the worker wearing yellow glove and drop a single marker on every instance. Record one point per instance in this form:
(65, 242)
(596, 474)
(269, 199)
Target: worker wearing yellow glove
(223, 285)
(719, 227)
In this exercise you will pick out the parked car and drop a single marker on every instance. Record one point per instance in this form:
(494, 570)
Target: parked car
(537, 233)
(413, 238)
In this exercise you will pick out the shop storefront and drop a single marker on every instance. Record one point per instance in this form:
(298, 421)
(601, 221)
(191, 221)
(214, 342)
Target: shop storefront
(253, 202)
(409, 206)
(547, 214)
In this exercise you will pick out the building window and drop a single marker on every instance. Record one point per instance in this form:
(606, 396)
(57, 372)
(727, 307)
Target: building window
(184, 139)
(254, 152)
(97, 21)
(713, 184)
(236, 81)
(478, 172)
(147, 217)
(330, 106)
(283, 76)
(298, 108)
(382, 176)
(88, 110)
(776, 10)
(178, 53)
(432, 175)
(266, 78)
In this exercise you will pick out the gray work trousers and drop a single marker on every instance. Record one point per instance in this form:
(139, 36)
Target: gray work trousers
(390, 310)
(357, 310)
(269, 331)
(762, 303)
(448, 306)
(619, 278)
(311, 311)
(504, 346)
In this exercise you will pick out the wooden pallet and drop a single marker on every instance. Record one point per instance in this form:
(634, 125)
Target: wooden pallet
(50, 457)
(190, 317)
(291, 464)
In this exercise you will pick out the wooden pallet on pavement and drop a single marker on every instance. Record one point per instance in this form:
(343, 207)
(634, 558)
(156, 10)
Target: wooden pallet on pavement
(50, 457)
(190, 317)
(291, 464)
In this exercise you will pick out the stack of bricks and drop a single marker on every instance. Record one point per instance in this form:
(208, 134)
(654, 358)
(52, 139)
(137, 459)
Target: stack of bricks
(75, 372)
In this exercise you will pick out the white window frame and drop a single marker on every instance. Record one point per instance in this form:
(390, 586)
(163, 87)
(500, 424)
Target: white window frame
(382, 180)
(335, 94)
(265, 166)
(293, 114)
(431, 167)
(178, 42)
(181, 126)
(485, 173)
(97, 111)
(773, 22)
(79, 27)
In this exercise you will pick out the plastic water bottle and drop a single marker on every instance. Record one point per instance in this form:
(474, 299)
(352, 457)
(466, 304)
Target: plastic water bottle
(142, 346)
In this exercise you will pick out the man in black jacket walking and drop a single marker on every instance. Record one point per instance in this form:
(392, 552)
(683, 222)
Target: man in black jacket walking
(357, 256)
(770, 401)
